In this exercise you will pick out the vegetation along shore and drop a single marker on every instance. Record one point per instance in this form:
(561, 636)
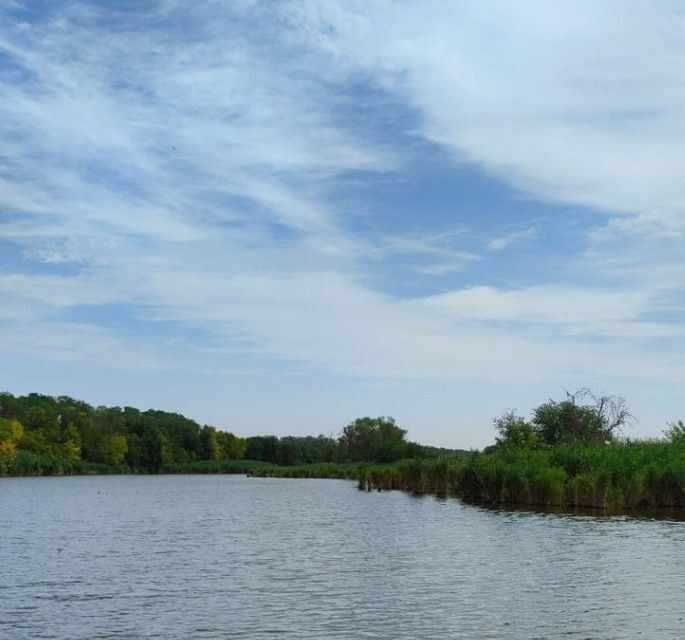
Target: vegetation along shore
(568, 453)
(44, 435)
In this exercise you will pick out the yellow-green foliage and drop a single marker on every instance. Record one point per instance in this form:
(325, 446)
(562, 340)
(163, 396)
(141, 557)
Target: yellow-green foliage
(11, 432)
(114, 449)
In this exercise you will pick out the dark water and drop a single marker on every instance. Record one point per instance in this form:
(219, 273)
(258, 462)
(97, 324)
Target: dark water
(231, 557)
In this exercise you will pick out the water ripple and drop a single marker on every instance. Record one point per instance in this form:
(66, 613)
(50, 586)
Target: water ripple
(212, 557)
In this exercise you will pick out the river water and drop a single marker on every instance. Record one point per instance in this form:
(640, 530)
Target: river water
(184, 557)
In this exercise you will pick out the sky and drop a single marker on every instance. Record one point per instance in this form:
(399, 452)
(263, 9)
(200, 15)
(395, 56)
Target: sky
(277, 216)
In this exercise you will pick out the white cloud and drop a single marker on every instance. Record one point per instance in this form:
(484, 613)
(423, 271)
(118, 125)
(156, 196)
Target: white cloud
(161, 146)
(157, 168)
(433, 254)
(558, 305)
(578, 102)
(502, 242)
(62, 292)
(79, 342)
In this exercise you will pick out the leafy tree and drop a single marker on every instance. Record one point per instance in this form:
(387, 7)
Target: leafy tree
(289, 452)
(134, 451)
(232, 447)
(318, 449)
(70, 448)
(114, 449)
(36, 441)
(220, 445)
(152, 447)
(209, 448)
(373, 440)
(515, 431)
(597, 421)
(9, 405)
(11, 432)
(263, 448)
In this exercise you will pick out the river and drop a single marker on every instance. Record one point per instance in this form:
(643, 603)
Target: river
(185, 557)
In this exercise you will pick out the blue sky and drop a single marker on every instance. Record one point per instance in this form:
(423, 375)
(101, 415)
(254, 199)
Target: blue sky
(278, 216)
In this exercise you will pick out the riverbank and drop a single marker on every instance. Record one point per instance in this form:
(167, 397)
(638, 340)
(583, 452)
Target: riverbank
(46, 435)
(26, 463)
(619, 475)
(30, 464)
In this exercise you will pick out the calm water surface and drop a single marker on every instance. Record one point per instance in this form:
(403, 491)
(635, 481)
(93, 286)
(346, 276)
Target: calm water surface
(184, 557)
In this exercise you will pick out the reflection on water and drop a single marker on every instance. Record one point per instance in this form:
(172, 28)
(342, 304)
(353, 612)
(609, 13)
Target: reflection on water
(232, 557)
(645, 513)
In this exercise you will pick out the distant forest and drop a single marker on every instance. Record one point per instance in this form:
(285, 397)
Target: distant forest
(45, 434)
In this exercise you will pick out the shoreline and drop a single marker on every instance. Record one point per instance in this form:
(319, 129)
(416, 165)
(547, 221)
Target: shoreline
(621, 476)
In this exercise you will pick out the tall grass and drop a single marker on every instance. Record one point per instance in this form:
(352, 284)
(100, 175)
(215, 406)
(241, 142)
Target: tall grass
(621, 475)
(618, 475)
(31, 464)
(214, 466)
(342, 470)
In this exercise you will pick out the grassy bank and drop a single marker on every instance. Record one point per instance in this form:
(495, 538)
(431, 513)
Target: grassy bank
(340, 470)
(30, 464)
(620, 475)
(215, 466)
(26, 463)
(59, 433)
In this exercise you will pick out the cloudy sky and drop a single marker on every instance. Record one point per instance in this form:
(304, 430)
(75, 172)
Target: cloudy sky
(278, 216)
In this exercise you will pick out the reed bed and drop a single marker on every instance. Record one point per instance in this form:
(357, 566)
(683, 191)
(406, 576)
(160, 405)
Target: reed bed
(215, 466)
(31, 464)
(340, 470)
(620, 475)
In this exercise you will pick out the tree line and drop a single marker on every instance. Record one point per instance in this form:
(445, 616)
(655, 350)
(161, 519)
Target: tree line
(62, 428)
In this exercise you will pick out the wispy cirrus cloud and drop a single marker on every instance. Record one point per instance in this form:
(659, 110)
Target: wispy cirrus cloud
(580, 103)
(514, 237)
(203, 174)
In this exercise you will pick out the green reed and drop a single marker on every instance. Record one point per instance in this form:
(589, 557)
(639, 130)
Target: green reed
(341, 470)
(616, 475)
(31, 464)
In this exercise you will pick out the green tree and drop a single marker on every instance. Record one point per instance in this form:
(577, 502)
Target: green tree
(289, 452)
(596, 421)
(515, 431)
(70, 448)
(232, 447)
(152, 448)
(11, 432)
(209, 447)
(373, 440)
(114, 449)
(263, 448)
